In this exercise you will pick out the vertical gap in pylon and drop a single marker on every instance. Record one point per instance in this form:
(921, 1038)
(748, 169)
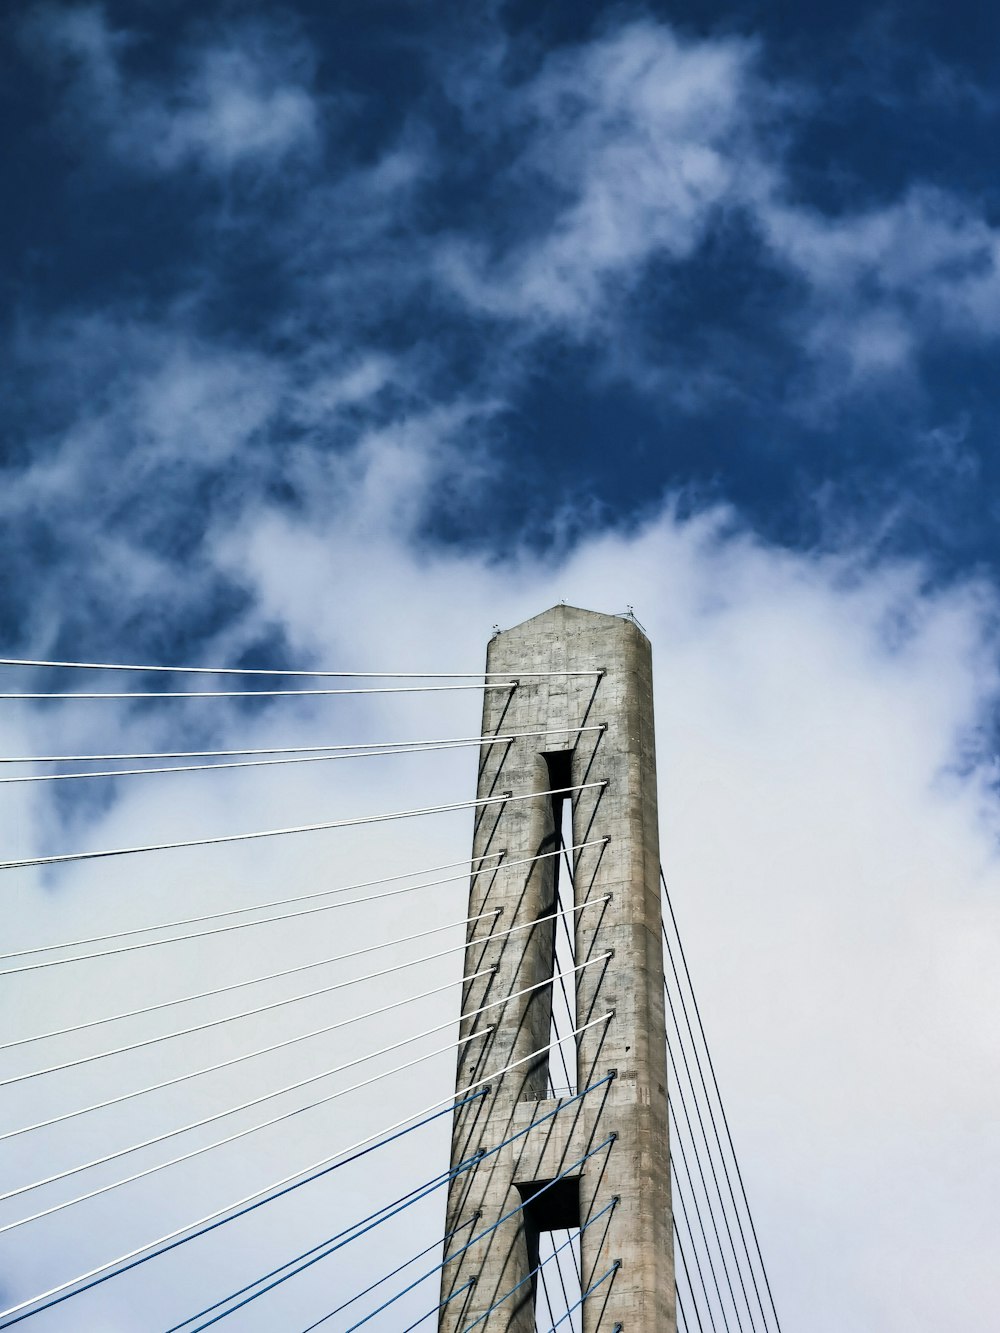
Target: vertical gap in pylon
(559, 1288)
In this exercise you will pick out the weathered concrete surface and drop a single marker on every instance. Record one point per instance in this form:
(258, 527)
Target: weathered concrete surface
(634, 1167)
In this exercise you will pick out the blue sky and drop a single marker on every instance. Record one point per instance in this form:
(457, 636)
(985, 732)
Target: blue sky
(731, 254)
(336, 334)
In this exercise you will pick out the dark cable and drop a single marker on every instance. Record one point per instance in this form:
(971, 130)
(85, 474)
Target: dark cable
(390, 1209)
(249, 1208)
(440, 1305)
(386, 1276)
(711, 1164)
(684, 1263)
(528, 1276)
(682, 1323)
(357, 1230)
(701, 1223)
(309, 1257)
(493, 1226)
(718, 1094)
(590, 1290)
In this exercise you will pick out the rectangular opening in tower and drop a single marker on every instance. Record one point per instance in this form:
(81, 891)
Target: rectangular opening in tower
(552, 1221)
(562, 1074)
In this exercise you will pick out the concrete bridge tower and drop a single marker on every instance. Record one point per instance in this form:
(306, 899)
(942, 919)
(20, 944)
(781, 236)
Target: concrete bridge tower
(607, 1151)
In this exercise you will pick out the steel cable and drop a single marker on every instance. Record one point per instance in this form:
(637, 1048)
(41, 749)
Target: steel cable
(678, 1195)
(482, 1235)
(255, 981)
(152, 1249)
(589, 1292)
(261, 907)
(528, 1276)
(487, 739)
(677, 1138)
(253, 1129)
(141, 1044)
(64, 695)
(281, 671)
(343, 1238)
(235, 1060)
(114, 1101)
(722, 1108)
(711, 1164)
(314, 1257)
(466, 1286)
(267, 1008)
(266, 1097)
(326, 825)
(252, 1202)
(449, 1235)
(277, 1046)
(304, 755)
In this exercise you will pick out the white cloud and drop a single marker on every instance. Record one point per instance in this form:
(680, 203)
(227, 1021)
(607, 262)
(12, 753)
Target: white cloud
(836, 885)
(168, 400)
(232, 109)
(241, 99)
(612, 163)
(832, 861)
(634, 140)
(827, 798)
(886, 282)
(637, 145)
(835, 877)
(81, 37)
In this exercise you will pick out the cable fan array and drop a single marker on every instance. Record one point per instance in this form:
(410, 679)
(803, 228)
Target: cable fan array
(113, 1131)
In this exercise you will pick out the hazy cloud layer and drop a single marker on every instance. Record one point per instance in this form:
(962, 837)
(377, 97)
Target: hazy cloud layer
(240, 97)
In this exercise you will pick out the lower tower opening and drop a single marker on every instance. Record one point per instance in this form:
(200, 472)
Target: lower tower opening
(552, 1223)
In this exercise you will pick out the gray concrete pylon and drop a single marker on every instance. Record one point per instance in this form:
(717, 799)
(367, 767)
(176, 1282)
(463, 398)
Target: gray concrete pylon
(634, 1167)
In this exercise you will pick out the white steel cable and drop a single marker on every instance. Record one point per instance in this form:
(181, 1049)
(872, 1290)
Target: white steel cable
(250, 694)
(269, 1096)
(276, 903)
(252, 1129)
(244, 763)
(246, 1013)
(155, 1087)
(282, 902)
(180, 1079)
(239, 985)
(282, 671)
(239, 1059)
(271, 976)
(220, 930)
(304, 1171)
(184, 1077)
(278, 1004)
(244, 925)
(65, 857)
(283, 749)
(238, 911)
(303, 755)
(291, 1041)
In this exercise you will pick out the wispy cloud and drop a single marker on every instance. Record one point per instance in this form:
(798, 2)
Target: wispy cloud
(636, 147)
(629, 147)
(240, 97)
(887, 282)
(610, 166)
